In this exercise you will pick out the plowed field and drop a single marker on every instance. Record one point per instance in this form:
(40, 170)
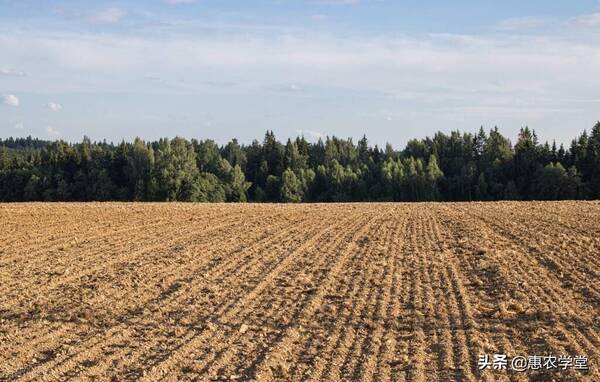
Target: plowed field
(362, 292)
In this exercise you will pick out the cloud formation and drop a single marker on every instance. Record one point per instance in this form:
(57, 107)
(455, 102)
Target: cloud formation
(318, 17)
(107, 16)
(590, 20)
(509, 74)
(11, 73)
(310, 134)
(521, 23)
(55, 106)
(177, 2)
(52, 132)
(11, 100)
(337, 2)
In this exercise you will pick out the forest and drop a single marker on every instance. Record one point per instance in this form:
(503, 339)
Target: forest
(446, 167)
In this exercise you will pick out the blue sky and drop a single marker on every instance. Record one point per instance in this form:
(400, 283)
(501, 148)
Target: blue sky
(394, 70)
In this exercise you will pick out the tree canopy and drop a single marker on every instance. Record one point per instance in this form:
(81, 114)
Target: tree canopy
(453, 167)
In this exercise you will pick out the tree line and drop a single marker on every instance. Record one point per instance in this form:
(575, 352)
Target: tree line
(450, 167)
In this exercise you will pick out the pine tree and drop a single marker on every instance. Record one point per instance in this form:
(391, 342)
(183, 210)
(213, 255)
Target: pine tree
(593, 161)
(4, 160)
(481, 189)
(138, 170)
(234, 154)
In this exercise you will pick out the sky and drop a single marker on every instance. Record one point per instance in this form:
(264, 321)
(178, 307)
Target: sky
(391, 69)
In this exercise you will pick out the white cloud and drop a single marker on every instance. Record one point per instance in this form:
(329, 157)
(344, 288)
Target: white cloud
(316, 60)
(11, 73)
(430, 68)
(55, 106)
(52, 132)
(337, 2)
(591, 20)
(177, 2)
(11, 100)
(19, 126)
(318, 17)
(311, 134)
(107, 16)
(520, 23)
(432, 75)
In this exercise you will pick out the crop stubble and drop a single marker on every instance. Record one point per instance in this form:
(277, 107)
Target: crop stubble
(385, 292)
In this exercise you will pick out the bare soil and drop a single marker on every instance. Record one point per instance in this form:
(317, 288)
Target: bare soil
(358, 292)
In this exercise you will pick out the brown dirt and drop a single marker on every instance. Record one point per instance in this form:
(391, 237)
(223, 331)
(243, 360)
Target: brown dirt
(385, 292)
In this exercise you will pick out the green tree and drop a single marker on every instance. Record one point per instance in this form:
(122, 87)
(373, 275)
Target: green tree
(592, 161)
(175, 171)
(291, 188)
(138, 169)
(4, 160)
(393, 178)
(433, 175)
(293, 159)
(237, 187)
(32, 189)
(234, 154)
(554, 182)
(526, 161)
(273, 189)
(442, 167)
(481, 189)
